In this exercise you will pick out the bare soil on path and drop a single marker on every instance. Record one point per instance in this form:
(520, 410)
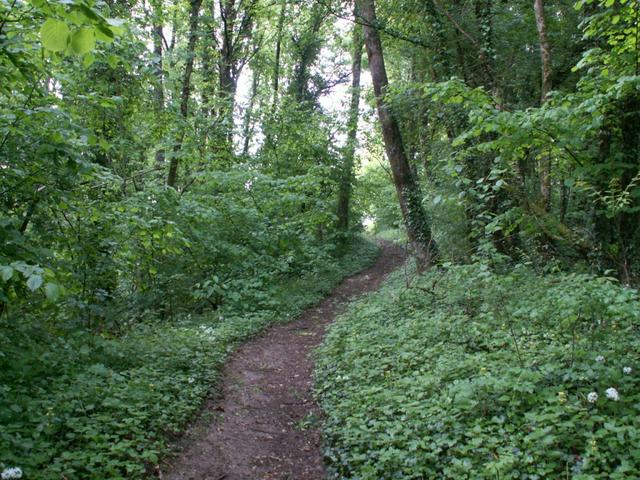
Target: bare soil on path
(264, 425)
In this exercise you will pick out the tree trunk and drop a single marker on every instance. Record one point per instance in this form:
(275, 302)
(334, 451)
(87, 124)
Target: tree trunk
(237, 22)
(346, 180)
(158, 86)
(484, 17)
(246, 128)
(484, 75)
(227, 82)
(545, 56)
(276, 68)
(545, 49)
(307, 46)
(415, 217)
(209, 63)
(186, 89)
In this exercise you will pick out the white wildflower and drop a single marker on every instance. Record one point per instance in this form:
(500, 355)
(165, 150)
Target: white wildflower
(592, 397)
(600, 359)
(248, 184)
(613, 394)
(191, 380)
(626, 370)
(13, 472)
(207, 331)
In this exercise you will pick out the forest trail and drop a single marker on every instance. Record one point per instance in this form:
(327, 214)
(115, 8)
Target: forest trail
(265, 425)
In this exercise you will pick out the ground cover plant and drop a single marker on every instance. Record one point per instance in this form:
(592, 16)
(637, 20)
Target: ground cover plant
(476, 372)
(99, 406)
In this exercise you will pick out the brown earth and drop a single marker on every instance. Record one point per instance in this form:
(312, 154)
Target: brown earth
(264, 426)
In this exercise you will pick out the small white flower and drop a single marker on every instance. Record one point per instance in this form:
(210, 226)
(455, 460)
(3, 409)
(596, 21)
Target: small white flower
(248, 184)
(592, 397)
(191, 380)
(13, 472)
(600, 359)
(613, 394)
(626, 370)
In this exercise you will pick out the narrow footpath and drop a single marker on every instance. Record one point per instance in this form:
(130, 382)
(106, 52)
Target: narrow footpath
(265, 425)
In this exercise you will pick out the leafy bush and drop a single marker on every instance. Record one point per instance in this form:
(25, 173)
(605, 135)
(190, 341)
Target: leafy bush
(119, 260)
(472, 373)
(81, 405)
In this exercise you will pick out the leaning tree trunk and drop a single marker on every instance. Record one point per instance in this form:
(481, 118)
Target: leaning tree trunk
(186, 89)
(407, 188)
(346, 176)
(545, 56)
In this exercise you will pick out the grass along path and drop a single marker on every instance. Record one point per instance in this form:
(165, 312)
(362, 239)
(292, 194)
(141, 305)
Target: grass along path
(263, 425)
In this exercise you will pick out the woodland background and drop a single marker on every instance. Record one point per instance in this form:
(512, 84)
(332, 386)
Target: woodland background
(176, 175)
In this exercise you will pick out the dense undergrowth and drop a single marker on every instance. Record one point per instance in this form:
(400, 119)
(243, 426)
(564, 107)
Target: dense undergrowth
(82, 405)
(474, 372)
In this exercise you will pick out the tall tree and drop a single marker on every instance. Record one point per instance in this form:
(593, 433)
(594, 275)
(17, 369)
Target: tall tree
(237, 19)
(346, 175)
(407, 188)
(194, 13)
(307, 45)
(158, 87)
(545, 57)
(276, 65)
(247, 130)
(545, 48)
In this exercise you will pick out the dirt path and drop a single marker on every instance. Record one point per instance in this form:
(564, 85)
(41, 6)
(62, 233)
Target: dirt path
(263, 427)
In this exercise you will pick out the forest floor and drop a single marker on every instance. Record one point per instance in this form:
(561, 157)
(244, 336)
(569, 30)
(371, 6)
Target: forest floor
(265, 424)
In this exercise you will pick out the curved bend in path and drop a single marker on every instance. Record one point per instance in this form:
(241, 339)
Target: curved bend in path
(262, 428)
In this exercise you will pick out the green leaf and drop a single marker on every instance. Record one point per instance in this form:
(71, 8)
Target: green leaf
(83, 41)
(7, 272)
(34, 282)
(104, 33)
(54, 35)
(89, 13)
(113, 61)
(88, 60)
(52, 291)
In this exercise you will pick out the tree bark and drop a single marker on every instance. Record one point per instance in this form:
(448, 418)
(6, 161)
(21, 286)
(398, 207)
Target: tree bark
(247, 128)
(158, 87)
(545, 56)
(276, 67)
(227, 81)
(307, 46)
(237, 23)
(407, 188)
(485, 75)
(545, 49)
(346, 180)
(186, 89)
